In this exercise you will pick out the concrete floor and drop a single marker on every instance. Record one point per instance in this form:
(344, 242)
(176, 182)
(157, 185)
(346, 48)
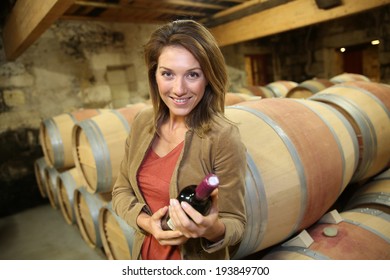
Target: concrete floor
(41, 233)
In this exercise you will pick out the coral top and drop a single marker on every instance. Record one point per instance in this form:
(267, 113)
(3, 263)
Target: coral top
(154, 178)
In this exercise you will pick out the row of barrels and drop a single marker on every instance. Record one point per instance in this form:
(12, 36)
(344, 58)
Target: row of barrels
(301, 155)
(362, 231)
(98, 225)
(69, 172)
(305, 89)
(82, 151)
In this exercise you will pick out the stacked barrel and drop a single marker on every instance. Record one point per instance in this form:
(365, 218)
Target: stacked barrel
(291, 89)
(303, 152)
(82, 153)
(361, 231)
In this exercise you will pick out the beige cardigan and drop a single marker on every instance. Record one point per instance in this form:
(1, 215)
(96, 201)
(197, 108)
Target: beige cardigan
(220, 151)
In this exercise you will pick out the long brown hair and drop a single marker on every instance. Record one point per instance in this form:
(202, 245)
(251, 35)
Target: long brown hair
(198, 40)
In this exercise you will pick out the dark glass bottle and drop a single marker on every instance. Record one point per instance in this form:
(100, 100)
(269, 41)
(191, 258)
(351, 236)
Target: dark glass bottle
(197, 196)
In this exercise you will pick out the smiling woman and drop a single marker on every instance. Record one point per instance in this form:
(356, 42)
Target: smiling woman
(180, 81)
(185, 137)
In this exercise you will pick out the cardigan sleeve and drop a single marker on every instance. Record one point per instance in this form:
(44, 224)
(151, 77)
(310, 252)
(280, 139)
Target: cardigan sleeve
(127, 202)
(230, 167)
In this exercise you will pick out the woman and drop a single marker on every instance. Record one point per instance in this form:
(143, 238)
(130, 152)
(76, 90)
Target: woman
(177, 143)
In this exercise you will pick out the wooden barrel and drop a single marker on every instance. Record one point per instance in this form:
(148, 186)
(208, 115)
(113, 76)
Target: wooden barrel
(363, 234)
(68, 181)
(131, 110)
(235, 98)
(343, 133)
(261, 91)
(281, 88)
(86, 209)
(383, 175)
(375, 194)
(298, 164)
(379, 90)
(308, 88)
(55, 137)
(98, 147)
(117, 236)
(371, 121)
(39, 171)
(51, 175)
(348, 77)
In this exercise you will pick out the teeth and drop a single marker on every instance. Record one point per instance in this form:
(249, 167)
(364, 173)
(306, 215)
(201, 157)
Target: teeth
(182, 100)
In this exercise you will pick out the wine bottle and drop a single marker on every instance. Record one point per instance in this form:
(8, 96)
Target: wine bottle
(197, 196)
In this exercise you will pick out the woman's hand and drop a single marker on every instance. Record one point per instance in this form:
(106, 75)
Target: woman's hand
(209, 227)
(152, 224)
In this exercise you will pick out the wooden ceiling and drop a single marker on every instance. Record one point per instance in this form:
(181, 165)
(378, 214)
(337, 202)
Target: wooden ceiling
(209, 12)
(231, 21)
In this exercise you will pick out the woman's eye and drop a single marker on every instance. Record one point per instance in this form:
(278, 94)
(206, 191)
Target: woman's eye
(166, 74)
(193, 75)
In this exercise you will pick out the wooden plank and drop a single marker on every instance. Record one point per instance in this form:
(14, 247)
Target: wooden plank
(116, 18)
(289, 16)
(134, 7)
(186, 3)
(234, 9)
(240, 11)
(27, 21)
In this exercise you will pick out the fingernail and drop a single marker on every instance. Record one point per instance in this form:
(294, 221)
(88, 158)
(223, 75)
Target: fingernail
(173, 202)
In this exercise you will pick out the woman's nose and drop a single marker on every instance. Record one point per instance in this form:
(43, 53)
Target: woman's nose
(179, 87)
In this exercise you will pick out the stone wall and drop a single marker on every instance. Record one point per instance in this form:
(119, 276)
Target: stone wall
(309, 52)
(72, 65)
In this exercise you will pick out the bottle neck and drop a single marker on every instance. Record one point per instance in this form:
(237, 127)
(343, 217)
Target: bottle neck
(206, 187)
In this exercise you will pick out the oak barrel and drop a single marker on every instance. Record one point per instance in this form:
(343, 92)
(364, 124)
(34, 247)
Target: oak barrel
(370, 119)
(39, 171)
(235, 98)
(261, 91)
(86, 209)
(116, 234)
(55, 137)
(374, 194)
(300, 157)
(98, 146)
(362, 234)
(379, 90)
(281, 88)
(348, 77)
(51, 175)
(67, 182)
(308, 88)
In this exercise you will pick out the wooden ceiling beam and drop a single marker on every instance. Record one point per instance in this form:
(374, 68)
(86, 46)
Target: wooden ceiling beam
(27, 21)
(190, 3)
(234, 9)
(138, 7)
(108, 19)
(233, 1)
(241, 10)
(146, 4)
(289, 16)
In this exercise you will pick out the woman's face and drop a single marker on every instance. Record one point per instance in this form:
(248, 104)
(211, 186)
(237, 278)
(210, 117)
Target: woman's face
(180, 80)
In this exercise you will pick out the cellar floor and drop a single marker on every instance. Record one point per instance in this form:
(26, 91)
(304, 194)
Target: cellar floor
(41, 233)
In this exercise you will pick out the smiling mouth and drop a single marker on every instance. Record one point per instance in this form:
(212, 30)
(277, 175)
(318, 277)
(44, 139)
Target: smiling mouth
(181, 100)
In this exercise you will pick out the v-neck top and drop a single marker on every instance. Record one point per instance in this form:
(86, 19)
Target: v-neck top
(154, 177)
